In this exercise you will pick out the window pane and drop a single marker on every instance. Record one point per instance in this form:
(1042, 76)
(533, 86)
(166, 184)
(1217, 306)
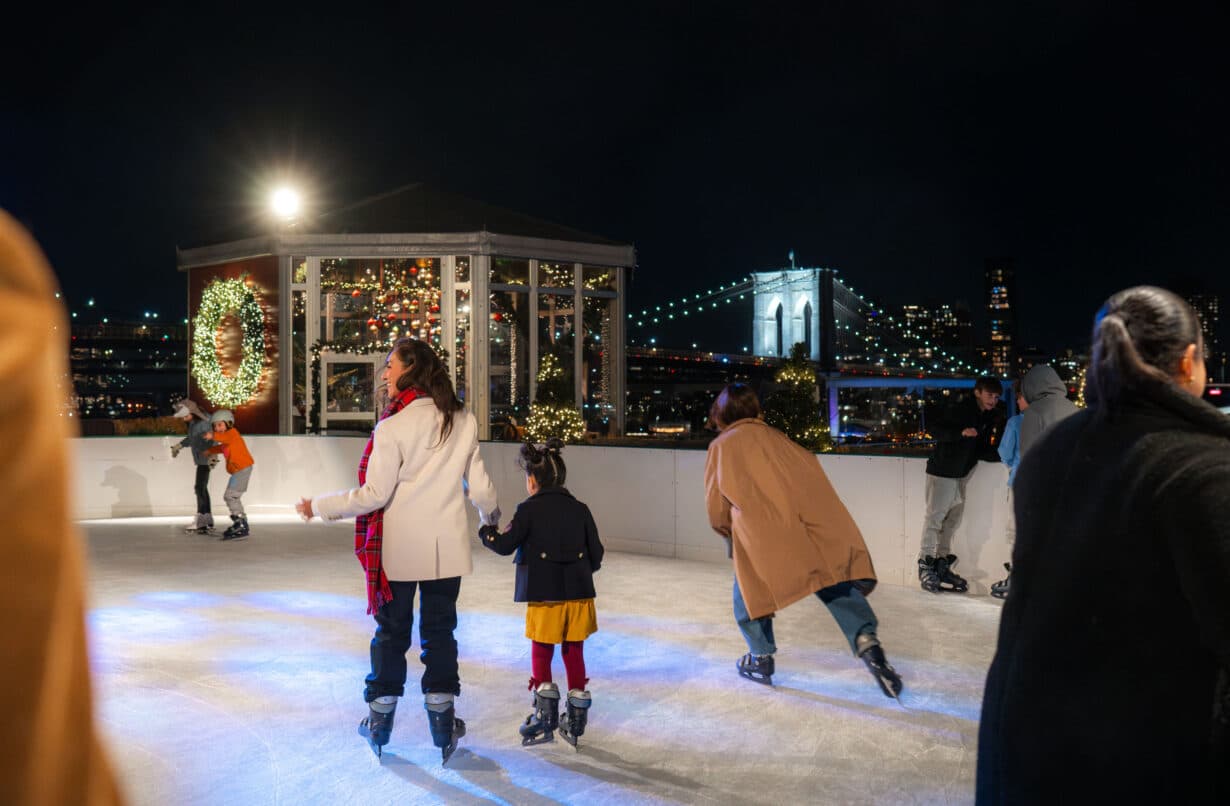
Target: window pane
(597, 365)
(556, 275)
(462, 275)
(508, 367)
(556, 326)
(598, 278)
(376, 300)
(461, 341)
(510, 272)
(350, 387)
(298, 270)
(298, 360)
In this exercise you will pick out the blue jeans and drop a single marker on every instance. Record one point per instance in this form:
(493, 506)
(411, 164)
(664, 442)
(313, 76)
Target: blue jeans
(437, 621)
(846, 602)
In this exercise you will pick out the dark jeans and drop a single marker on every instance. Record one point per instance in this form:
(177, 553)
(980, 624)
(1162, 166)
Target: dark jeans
(202, 489)
(394, 621)
(844, 600)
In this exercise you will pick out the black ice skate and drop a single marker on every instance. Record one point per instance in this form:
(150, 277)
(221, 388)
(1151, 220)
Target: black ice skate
(881, 670)
(1000, 589)
(237, 530)
(446, 728)
(758, 668)
(540, 725)
(928, 576)
(578, 714)
(950, 582)
(377, 726)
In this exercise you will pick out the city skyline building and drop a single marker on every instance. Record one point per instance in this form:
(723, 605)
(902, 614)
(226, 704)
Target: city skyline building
(942, 326)
(1001, 302)
(1208, 308)
(127, 368)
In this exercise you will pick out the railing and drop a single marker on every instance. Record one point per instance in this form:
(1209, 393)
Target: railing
(135, 476)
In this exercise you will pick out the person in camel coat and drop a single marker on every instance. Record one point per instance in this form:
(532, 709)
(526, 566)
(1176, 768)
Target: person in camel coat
(790, 537)
(50, 752)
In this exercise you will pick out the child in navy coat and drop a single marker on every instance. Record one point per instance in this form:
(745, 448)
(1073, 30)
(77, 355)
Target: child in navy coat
(557, 552)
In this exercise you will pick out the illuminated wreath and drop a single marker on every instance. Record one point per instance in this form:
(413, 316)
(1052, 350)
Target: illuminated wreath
(220, 298)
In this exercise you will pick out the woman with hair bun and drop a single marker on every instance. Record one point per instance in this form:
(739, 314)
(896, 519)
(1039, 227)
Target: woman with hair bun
(411, 533)
(1109, 682)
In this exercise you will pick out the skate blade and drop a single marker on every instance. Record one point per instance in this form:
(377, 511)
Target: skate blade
(459, 730)
(366, 733)
(542, 738)
(572, 740)
(887, 688)
(764, 679)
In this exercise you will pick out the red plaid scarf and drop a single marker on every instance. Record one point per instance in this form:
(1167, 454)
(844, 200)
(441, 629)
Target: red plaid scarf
(369, 528)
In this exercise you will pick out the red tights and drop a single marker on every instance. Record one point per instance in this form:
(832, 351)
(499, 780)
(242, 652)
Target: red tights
(573, 653)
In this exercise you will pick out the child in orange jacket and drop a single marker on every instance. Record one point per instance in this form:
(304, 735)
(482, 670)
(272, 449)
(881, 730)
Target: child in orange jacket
(239, 463)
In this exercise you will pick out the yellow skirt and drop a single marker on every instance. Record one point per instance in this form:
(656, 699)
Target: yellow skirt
(556, 622)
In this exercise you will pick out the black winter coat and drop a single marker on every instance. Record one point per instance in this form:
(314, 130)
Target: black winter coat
(557, 547)
(1109, 682)
(954, 456)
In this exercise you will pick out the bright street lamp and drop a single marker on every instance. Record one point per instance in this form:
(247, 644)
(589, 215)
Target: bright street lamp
(285, 202)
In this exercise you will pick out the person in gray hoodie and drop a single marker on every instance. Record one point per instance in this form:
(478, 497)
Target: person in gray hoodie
(1046, 403)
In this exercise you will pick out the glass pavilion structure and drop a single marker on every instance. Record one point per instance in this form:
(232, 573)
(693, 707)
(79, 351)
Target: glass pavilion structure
(494, 291)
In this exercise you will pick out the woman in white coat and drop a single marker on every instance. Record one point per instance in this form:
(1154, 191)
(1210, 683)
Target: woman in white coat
(411, 533)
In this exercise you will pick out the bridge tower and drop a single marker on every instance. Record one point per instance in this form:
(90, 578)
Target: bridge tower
(804, 305)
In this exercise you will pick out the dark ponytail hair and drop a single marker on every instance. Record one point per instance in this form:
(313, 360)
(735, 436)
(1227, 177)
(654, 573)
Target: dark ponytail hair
(1139, 336)
(426, 372)
(544, 464)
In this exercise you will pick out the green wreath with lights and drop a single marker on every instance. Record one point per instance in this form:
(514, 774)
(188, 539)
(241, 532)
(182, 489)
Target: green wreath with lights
(220, 298)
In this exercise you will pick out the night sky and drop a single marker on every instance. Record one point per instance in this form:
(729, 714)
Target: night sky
(899, 144)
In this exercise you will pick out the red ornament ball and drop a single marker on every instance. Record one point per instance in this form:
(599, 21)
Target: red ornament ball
(355, 293)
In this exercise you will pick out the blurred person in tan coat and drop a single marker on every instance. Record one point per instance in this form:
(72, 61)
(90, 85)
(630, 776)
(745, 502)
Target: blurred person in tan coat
(49, 750)
(790, 537)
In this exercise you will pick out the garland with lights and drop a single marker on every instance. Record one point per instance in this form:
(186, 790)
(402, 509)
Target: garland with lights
(553, 414)
(220, 298)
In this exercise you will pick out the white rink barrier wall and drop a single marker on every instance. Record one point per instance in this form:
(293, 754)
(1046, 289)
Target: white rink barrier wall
(645, 500)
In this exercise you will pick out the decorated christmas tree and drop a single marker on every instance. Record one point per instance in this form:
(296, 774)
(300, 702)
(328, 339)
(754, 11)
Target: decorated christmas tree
(553, 413)
(795, 407)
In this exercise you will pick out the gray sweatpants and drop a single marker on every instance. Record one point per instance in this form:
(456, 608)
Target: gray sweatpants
(945, 505)
(1010, 528)
(235, 488)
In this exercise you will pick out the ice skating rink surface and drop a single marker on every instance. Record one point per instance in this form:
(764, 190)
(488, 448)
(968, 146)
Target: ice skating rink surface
(232, 673)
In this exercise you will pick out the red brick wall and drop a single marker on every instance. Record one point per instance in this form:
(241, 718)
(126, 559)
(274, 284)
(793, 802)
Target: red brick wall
(259, 415)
